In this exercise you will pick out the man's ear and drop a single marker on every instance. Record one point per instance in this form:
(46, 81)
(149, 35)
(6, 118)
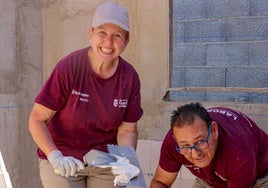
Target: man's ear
(214, 128)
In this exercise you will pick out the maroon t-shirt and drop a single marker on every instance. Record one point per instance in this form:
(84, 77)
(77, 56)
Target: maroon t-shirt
(241, 155)
(89, 109)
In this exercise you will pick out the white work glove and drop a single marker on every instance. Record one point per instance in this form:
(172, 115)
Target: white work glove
(64, 165)
(121, 167)
(124, 173)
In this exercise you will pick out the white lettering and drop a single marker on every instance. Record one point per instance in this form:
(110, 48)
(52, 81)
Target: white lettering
(115, 103)
(83, 96)
(121, 103)
(80, 94)
(224, 112)
(83, 99)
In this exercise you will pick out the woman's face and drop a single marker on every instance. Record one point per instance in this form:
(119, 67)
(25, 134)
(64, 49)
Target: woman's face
(108, 41)
(196, 133)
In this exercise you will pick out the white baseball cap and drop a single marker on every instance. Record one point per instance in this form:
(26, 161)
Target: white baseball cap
(111, 12)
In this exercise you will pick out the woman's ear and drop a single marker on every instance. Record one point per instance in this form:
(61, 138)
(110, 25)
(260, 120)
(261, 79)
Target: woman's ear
(126, 39)
(90, 32)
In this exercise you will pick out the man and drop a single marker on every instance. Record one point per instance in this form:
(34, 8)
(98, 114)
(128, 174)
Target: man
(220, 146)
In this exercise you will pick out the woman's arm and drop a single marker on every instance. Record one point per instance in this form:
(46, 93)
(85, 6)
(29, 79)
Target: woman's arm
(127, 134)
(38, 120)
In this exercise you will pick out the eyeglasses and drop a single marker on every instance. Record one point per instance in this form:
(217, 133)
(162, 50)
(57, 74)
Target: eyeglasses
(199, 146)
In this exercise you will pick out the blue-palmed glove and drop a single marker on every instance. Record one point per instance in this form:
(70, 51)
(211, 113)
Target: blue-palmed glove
(64, 165)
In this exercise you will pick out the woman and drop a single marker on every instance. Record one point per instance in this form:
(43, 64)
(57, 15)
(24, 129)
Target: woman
(91, 99)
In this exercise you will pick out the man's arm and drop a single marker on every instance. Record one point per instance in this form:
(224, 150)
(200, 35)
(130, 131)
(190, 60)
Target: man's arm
(163, 179)
(127, 134)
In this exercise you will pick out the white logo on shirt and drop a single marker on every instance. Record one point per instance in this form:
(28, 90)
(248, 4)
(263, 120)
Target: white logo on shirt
(120, 103)
(83, 96)
(224, 112)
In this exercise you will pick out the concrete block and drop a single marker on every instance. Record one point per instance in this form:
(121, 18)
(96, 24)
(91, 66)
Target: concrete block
(188, 9)
(205, 76)
(198, 31)
(178, 76)
(246, 29)
(198, 76)
(189, 54)
(258, 53)
(234, 54)
(254, 77)
(227, 96)
(223, 9)
(187, 96)
(148, 152)
(258, 97)
(258, 8)
(226, 30)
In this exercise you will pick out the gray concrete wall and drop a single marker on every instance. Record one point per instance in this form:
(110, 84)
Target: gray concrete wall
(220, 44)
(21, 73)
(35, 34)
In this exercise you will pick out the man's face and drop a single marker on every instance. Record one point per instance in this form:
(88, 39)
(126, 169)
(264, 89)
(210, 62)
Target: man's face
(194, 134)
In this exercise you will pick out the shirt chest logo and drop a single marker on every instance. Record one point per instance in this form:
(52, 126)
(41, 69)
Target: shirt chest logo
(120, 103)
(82, 96)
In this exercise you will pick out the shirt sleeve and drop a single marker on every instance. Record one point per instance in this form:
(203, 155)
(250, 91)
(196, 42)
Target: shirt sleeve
(55, 92)
(169, 158)
(134, 111)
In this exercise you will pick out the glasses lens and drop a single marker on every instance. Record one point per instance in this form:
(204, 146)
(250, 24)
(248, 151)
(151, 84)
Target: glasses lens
(185, 151)
(202, 146)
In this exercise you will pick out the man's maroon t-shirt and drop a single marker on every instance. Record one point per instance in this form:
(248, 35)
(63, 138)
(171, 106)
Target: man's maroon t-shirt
(241, 156)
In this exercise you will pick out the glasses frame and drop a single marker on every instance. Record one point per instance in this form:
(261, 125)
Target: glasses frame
(195, 146)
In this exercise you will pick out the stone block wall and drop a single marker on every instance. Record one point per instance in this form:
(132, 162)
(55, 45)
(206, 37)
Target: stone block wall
(220, 44)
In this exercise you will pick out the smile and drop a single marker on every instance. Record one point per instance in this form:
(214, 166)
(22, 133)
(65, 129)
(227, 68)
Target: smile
(107, 50)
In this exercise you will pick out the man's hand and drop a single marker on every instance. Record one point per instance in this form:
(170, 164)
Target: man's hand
(64, 165)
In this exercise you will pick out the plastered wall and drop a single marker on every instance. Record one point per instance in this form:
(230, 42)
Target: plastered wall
(35, 34)
(66, 29)
(20, 79)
